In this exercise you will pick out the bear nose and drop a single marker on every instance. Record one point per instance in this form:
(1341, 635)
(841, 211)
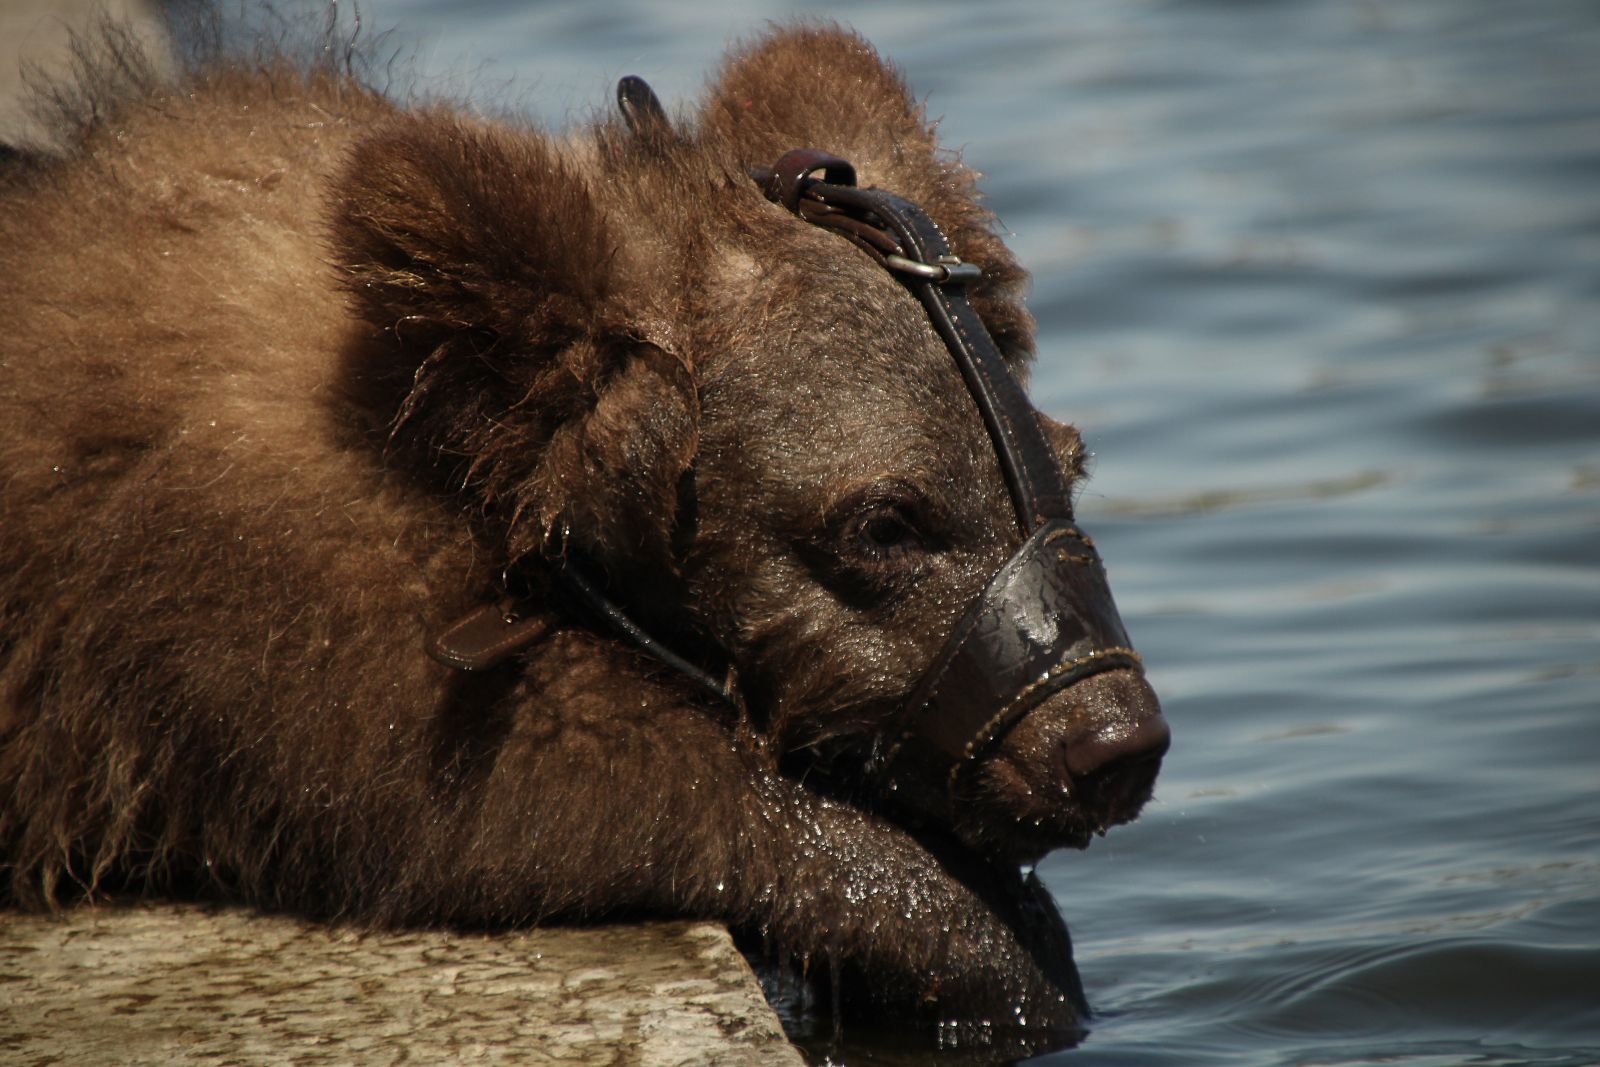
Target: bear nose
(1108, 764)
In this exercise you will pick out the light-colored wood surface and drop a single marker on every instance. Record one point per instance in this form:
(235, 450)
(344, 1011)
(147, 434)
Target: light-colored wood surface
(187, 984)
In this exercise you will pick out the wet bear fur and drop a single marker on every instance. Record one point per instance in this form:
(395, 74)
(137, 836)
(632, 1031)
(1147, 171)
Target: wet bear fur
(292, 376)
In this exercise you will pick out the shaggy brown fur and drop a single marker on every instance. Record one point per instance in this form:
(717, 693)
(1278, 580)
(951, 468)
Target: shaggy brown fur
(290, 378)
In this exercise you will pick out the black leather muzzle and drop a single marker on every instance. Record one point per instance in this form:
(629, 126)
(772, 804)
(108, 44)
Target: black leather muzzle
(1045, 621)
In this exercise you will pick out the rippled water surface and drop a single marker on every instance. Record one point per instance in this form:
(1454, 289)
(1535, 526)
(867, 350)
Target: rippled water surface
(1321, 283)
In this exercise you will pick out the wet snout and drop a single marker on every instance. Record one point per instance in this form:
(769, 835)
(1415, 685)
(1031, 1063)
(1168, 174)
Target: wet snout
(1081, 762)
(1109, 746)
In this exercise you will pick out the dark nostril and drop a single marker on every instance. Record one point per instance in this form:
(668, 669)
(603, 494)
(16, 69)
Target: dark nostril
(1117, 790)
(1146, 738)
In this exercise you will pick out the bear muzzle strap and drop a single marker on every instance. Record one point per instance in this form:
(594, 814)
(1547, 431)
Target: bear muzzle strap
(1046, 619)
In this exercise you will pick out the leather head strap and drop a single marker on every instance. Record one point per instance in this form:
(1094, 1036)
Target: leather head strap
(905, 240)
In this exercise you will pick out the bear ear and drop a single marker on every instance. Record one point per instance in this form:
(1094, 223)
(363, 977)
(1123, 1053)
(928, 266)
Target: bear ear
(819, 86)
(500, 349)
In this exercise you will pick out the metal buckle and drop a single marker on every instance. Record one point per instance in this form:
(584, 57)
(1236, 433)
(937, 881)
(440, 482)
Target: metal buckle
(946, 270)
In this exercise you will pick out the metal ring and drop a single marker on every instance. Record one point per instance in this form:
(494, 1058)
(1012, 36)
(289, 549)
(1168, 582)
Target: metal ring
(948, 269)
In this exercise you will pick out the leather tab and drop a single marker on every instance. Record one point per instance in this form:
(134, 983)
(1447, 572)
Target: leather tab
(785, 182)
(486, 636)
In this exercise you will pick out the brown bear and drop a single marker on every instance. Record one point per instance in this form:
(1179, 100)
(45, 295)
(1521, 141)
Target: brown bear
(294, 381)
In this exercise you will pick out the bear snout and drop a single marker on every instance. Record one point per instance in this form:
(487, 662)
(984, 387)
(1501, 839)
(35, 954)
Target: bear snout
(1108, 764)
(1083, 761)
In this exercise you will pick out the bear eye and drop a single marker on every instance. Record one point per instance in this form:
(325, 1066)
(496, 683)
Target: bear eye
(885, 532)
(874, 545)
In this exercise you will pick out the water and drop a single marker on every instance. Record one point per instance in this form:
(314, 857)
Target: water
(1321, 283)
